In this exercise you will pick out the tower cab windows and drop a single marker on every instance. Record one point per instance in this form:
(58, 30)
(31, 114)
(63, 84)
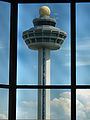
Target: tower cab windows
(54, 34)
(39, 23)
(25, 36)
(38, 34)
(27, 41)
(31, 35)
(46, 34)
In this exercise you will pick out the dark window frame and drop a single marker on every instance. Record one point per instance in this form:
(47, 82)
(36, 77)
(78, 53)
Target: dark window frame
(13, 59)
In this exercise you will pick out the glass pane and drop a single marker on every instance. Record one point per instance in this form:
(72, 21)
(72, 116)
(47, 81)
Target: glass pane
(4, 93)
(83, 104)
(83, 43)
(60, 59)
(58, 104)
(27, 59)
(26, 104)
(4, 42)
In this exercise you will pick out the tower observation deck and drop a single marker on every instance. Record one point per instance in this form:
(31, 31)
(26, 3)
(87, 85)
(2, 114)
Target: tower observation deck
(44, 36)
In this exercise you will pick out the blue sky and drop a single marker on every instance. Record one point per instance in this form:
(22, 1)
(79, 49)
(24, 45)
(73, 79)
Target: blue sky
(27, 61)
(83, 43)
(4, 42)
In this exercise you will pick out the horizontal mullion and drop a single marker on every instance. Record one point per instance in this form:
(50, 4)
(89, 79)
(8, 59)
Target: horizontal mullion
(81, 1)
(9, 1)
(83, 87)
(47, 86)
(49, 1)
(54, 1)
(41, 86)
(4, 86)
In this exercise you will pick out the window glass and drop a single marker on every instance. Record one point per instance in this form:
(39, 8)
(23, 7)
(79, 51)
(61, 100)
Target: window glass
(38, 34)
(60, 59)
(54, 34)
(26, 107)
(27, 59)
(46, 34)
(60, 104)
(83, 104)
(4, 41)
(58, 101)
(31, 35)
(83, 43)
(4, 104)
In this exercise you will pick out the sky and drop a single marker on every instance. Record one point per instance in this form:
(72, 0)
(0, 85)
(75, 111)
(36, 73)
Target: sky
(83, 43)
(27, 61)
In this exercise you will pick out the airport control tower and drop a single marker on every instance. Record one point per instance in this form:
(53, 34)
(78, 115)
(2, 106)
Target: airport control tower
(44, 36)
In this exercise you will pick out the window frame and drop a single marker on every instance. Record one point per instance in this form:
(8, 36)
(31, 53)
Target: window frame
(13, 60)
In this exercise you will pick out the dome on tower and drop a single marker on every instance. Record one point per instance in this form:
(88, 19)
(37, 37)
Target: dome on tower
(44, 10)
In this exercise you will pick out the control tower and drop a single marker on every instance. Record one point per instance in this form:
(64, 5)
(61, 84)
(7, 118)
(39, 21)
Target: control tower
(44, 36)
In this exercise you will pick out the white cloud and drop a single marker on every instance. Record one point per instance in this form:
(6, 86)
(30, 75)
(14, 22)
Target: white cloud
(80, 111)
(2, 116)
(29, 103)
(61, 106)
(83, 104)
(3, 46)
(67, 64)
(79, 63)
(81, 55)
(85, 63)
(24, 113)
(66, 95)
(84, 45)
(27, 110)
(35, 67)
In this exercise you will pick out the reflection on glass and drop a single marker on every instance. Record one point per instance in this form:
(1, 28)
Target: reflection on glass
(83, 43)
(60, 104)
(3, 104)
(26, 107)
(83, 104)
(27, 60)
(4, 42)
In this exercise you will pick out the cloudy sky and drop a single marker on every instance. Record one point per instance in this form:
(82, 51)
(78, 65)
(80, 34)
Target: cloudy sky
(27, 61)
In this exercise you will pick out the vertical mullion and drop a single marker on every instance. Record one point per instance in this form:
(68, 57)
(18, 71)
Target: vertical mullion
(73, 61)
(13, 62)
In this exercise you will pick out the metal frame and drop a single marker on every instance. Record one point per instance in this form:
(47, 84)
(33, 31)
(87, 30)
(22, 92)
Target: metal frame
(13, 59)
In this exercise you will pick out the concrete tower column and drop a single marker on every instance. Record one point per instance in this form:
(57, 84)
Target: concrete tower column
(43, 94)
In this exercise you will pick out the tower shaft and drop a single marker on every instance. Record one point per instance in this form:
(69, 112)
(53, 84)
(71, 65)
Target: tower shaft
(43, 79)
